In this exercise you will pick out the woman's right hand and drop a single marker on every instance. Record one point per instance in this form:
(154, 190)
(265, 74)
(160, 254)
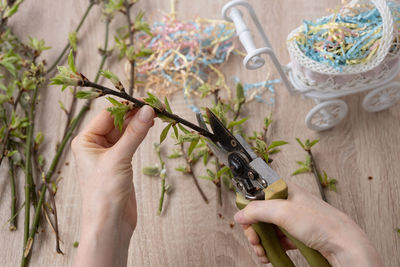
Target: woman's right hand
(314, 222)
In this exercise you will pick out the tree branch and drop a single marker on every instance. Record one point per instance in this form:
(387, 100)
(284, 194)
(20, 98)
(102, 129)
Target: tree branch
(107, 91)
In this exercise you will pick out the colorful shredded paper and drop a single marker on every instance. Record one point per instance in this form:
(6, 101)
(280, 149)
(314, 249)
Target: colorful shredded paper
(349, 36)
(185, 54)
(188, 55)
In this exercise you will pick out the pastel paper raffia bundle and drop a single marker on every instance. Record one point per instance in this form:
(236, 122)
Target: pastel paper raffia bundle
(188, 55)
(350, 36)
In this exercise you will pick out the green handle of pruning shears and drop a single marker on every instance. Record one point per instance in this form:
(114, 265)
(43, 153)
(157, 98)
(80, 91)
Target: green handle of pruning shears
(269, 239)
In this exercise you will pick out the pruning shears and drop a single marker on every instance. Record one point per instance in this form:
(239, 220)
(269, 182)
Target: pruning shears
(255, 180)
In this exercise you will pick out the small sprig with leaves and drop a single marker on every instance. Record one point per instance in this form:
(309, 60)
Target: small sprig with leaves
(161, 172)
(310, 165)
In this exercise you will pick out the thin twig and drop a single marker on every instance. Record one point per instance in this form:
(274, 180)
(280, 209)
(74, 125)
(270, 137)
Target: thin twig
(162, 176)
(71, 112)
(191, 173)
(55, 226)
(13, 221)
(317, 174)
(219, 182)
(28, 165)
(237, 113)
(74, 124)
(131, 43)
(217, 165)
(60, 57)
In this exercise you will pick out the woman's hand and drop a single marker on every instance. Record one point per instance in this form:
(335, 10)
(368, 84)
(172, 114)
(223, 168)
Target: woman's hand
(103, 158)
(314, 222)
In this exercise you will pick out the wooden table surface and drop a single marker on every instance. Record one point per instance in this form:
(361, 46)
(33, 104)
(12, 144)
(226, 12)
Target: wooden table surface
(191, 233)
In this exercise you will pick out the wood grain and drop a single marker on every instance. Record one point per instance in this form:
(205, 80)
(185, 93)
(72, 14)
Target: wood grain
(191, 233)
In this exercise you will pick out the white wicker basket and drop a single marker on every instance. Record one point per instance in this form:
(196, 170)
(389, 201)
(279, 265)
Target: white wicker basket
(315, 73)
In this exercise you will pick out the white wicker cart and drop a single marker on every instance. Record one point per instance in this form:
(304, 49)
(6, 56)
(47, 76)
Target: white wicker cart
(322, 82)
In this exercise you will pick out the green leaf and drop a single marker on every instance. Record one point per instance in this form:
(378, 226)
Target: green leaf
(140, 25)
(73, 41)
(276, 144)
(151, 171)
(167, 106)
(211, 173)
(266, 157)
(227, 181)
(189, 137)
(300, 143)
(204, 89)
(144, 52)
(10, 67)
(205, 158)
(110, 7)
(169, 188)
(192, 146)
(235, 123)
(183, 169)
(304, 166)
(267, 121)
(76, 244)
(175, 154)
(39, 138)
(4, 99)
(41, 161)
(118, 111)
(240, 98)
(87, 94)
(183, 129)
(301, 170)
(114, 102)
(37, 45)
(274, 151)
(71, 63)
(13, 9)
(153, 101)
(65, 77)
(164, 132)
(62, 107)
(113, 78)
(222, 171)
(327, 182)
(11, 153)
(206, 177)
(175, 130)
(15, 156)
(313, 142)
(261, 147)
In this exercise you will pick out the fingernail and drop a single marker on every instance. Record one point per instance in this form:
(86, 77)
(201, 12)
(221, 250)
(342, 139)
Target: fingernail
(146, 114)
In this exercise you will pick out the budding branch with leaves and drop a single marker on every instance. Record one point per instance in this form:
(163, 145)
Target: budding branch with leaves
(310, 165)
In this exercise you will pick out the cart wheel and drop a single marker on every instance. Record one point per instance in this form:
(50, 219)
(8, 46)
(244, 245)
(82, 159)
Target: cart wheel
(326, 115)
(382, 98)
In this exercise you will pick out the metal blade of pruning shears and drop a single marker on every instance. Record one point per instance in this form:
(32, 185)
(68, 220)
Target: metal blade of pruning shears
(251, 174)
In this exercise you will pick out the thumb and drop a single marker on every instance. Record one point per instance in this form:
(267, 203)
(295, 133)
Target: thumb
(135, 132)
(271, 211)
